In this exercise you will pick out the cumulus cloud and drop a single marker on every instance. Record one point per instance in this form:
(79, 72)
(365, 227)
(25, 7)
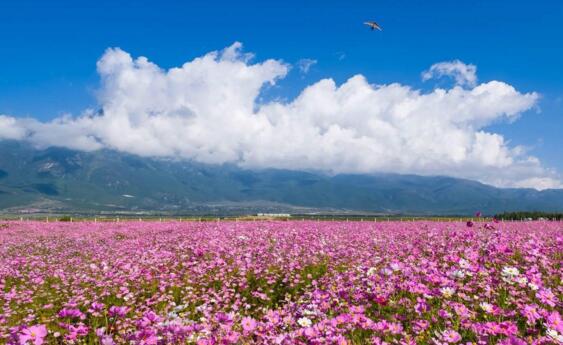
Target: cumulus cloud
(208, 110)
(539, 183)
(11, 128)
(463, 74)
(305, 64)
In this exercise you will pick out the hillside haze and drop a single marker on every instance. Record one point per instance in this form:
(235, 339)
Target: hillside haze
(62, 180)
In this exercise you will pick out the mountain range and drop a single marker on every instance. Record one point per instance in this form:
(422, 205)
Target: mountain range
(58, 180)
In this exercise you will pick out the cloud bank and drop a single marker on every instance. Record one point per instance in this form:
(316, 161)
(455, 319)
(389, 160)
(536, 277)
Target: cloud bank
(207, 110)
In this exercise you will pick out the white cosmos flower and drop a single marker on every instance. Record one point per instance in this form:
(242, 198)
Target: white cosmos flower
(487, 307)
(372, 271)
(447, 291)
(304, 322)
(510, 272)
(463, 263)
(459, 274)
(533, 286)
(554, 335)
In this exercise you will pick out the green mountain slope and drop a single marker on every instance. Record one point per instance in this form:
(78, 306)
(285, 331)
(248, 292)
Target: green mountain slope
(62, 180)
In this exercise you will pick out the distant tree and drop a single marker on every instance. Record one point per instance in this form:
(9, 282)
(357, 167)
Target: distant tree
(535, 215)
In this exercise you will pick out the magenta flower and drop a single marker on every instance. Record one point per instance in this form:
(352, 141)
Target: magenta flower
(107, 340)
(531, 314)
(469, 223)
(555, 322)
(420, 326)
(451, 336)
(248, 324)
(395, 328)
(96, 307)
(231, 337)
(71, 313)
(115, 311)
(512, 341)
(547, 297)
(290, 282)
(35, 334)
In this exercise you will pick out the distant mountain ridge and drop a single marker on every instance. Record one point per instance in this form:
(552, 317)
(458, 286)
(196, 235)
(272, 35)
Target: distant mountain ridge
(62, 180)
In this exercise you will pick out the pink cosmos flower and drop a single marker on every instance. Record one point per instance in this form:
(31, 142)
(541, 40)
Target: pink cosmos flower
(420, 326)
(554, 321)
(116, 311)
(96, 307)
(451, 336)
(107, 340)
(453, 275)
(149, 318)
(547, 297)
(36, 334)
(248, 324)
(341, 341)
(310, 332)
(395, 328)
(512, 341)
(231, 337)
(71, 313)
(147, 337)
(530, 312)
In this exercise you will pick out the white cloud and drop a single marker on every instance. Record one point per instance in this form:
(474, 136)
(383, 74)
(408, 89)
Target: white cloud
(10, 128)
(305, 64)
(464, 75)
(207, 110)
(539, 183)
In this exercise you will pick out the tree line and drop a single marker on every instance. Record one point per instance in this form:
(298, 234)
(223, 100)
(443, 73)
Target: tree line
(535, 215)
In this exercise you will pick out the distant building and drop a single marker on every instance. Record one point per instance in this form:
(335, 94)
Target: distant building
(273, 215)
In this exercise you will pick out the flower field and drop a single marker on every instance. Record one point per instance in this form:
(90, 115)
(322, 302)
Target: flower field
(281, 282)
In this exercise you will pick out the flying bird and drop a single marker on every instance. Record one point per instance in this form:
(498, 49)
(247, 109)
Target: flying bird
(373, 25)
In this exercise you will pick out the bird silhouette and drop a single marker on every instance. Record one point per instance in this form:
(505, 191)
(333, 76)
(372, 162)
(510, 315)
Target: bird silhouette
(373, 25)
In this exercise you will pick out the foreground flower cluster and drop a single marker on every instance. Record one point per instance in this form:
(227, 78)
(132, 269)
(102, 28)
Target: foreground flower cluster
(294, 282)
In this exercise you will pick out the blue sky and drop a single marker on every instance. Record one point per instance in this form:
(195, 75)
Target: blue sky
(49, 49)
